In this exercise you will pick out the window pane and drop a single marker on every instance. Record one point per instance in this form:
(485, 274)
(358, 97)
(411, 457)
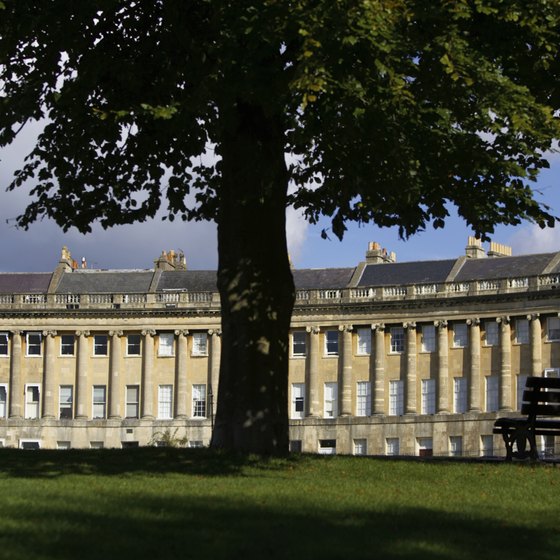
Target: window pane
(460, 335)
(364, 341)
(34, 344)
(133, 345)
(299, 342)
(67, 345)
(428, 338)
(132, 394)
(200, 344)
(199, 401)
(166, 344)
(165, 396)
(363, 398)
(397, 339)
(491, 333)
(4, 344)
(331, 343)
(100, 345)
(553, 327)
(3, 401)
(522, 331)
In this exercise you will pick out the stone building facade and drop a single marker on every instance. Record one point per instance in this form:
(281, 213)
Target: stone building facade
(386, 358)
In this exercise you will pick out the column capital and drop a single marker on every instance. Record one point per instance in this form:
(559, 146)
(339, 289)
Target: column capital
(82, 333)
(15, 332)
(148, 332)
(345, 328)
(115, 333)
(409, 325)
(216, 332)
(473, 321)
(505, 320)
(180, 332)
(313, 329)
(49, 333)
(441, 324)
(533, 316)
(378, 327)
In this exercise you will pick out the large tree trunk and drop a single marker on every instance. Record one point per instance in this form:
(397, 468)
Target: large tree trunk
(255, 285)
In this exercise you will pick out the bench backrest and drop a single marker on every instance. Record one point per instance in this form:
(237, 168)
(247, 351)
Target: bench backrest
(541, 397)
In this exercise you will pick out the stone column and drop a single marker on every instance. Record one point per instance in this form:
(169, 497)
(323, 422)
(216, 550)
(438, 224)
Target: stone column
(346, 371)
(378, 386)
(81, 406)
(114, 375)
(215, 352)
(181, 374)
(505, 363)
(536, 344)
(443, 367)
(312, 381)
(475, 365)
(410, 404)
(49, 380)
(16, 381)
(148, 374)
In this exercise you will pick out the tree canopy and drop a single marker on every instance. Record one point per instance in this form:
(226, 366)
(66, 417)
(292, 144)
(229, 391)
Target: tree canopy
(389, 112)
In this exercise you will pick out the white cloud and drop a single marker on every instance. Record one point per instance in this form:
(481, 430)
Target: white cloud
(296, 232)
(533, 239)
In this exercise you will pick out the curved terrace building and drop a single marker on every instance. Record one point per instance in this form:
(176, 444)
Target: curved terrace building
(386, 358)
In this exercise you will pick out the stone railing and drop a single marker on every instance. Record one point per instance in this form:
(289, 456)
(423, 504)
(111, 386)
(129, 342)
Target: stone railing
(204, 300)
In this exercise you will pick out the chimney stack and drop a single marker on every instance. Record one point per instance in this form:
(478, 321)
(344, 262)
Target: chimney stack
(474, 248)
(499, 250)
(377, 255)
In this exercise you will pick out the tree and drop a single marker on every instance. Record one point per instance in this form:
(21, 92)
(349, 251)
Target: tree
(389, 110)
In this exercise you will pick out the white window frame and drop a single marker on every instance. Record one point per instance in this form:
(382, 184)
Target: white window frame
(5, 344)
(522, 335)
(132, 404)
(166, 344)
(392, 446)
(396, 340)
(165, 401)
(199, 403)
(360, 446)
(96, 445)
(36, 404)
(492, 393)
(65, 404)
(330, 400)
(4, 401)
(63, 445)
(298, 401)
(331, 343)
(131, 345)
(363, 398)
(299, 344)
(460, 335)
(100, 346)
(486, 445)
(428, 402)
(553, 332)
(424, 446)
(491, 333)
(455, 446)
(459, 395)
(98, 407)
(29, 345)
(428, 338)
(396, 397)
(65, 346)
(363, 341)
(200, 344)
(327, 447)
(23, 441)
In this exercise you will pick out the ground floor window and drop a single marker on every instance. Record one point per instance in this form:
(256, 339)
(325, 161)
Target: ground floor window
(487, 446)
(295, 446)
(327, 447)
(96, 445)
(63, 445)
(456, 446)
(29, 444)
(425, 447)
(129, 444)
(360, 446)
(392, 447)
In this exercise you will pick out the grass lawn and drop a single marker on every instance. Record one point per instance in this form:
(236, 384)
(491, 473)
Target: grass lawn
(154, 503)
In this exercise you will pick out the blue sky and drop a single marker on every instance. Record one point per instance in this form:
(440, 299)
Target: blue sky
(138, 245)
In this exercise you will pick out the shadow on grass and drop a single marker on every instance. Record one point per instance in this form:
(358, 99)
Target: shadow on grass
(140, 527)
(151, 460)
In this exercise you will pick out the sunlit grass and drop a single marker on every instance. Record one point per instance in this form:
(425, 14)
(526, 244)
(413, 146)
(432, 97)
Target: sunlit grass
(169, 503)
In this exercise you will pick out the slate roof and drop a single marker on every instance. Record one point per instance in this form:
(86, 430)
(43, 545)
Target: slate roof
(322, 278)
(394, 274)
(190, 280)
(503, 267)
(24, 283)
(81, 282)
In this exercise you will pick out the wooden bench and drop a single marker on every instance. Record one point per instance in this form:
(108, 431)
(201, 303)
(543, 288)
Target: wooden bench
(541, 405)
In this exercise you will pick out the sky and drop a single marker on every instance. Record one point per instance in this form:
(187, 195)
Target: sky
(137, 246)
